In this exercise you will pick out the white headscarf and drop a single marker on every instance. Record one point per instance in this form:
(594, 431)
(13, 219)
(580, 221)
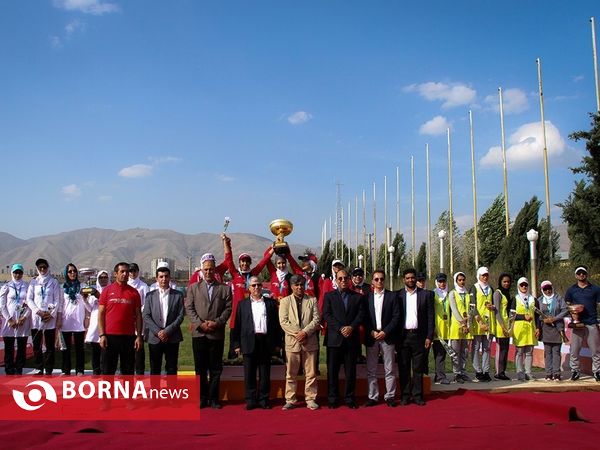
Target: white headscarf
(457, 288)
(441, 293)
(484, 285)
(547, 299)
(281, 274)
(43, 278)
(525, 296)
(98, 287)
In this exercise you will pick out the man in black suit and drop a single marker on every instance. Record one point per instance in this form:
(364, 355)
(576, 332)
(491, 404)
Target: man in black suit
(381, 322)
(257, 335)
(416, 335)
(163, 314)
(343, 311)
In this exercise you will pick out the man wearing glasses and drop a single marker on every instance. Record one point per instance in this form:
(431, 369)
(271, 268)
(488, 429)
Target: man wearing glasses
(343, 311)
(587, 294)
(381, 321)
(208, 305)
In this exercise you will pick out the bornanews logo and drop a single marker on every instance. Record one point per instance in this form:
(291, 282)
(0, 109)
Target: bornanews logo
(100, 398)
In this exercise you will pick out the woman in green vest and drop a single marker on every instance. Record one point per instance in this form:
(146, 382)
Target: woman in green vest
(442, 327)
(525, 330)
(484, 325)
(460, 326)
(501, 304)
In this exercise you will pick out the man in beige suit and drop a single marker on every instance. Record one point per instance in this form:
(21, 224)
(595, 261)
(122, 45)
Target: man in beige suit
(208, 305)
(299, 318)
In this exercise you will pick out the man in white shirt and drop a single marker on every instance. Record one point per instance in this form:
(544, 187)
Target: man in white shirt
(163, 315)
(142, 288)
(417, 323)
(257, 335)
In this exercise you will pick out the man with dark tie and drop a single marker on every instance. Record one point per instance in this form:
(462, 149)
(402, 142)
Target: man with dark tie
(257, 335)
(381, 320)
(208, 305)
(416, 334)
(343, 311)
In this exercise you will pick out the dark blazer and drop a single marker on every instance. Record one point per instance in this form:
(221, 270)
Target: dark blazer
(152, 314)
(242, 334)
(425, 313)
(199, 308)
(337, 317)
(390, 317)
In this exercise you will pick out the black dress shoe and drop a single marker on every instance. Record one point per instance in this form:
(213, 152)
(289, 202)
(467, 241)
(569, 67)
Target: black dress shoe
(250, 406)
(352, 405)
(332, 405)
(370, 402)
(216, 405)
(204, 403)
(390, 402)
(265, 405)
(404, 402)
(420, 402)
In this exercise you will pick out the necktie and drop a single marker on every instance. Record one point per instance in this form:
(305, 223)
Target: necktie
(345, 300)
(209, 286)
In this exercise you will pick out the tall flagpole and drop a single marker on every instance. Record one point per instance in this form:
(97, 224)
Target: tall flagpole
(349, 234)
(450, 215)
(342, 228)
(364, 238)
(412, 206)
(374, 230)
(597, 83)
(474, 181)
(503, 144)
(428, 212)
(356, 231)
(397, 199)
(546, 181)
(385, 222)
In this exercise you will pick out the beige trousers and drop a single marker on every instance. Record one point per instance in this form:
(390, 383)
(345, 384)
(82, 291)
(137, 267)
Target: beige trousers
(308, 360)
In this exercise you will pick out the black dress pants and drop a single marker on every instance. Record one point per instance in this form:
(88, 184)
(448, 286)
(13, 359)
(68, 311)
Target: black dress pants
(12, 365)
(44, 361)
(119, 348)
(208, 363)
(259, 360)
(345, 354)
(171, 354)
(73, 338)
(411, 362)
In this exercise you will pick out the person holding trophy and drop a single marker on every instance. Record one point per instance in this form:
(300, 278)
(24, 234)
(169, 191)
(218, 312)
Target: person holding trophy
(280, 276)
(45, 302)
(582, 299)
(17, 321)
(552, 309)
(525, 331)
(461, 318)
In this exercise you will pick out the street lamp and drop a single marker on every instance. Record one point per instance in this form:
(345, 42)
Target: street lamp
(391, 252)
(442, 236)
(532, 237)
(360, 261)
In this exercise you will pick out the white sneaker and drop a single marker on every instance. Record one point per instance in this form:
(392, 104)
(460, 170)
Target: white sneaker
(312, 405)
(288, 406)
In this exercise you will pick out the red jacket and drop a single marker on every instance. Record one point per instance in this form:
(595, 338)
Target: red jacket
(282, 289)
(219, 272)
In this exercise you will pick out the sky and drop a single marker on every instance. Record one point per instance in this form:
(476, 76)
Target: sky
(172, 115)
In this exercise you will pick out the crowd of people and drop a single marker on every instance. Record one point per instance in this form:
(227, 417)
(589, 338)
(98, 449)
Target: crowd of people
(397, 328)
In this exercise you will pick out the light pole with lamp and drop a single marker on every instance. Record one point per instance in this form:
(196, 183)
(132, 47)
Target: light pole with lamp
(391, 252)
(360, 261)
(532, 237)
(442, 236)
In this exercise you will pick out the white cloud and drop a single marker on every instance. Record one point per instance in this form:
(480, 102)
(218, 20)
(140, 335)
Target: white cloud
(73, 26)
(95, 7)
(514, 101)
(136, 171)
(104, 198)
(55, 42)
(525, 146)
(224, 178)
(578, 78)
(454, 94)
(71, 191)
(435, 126)
(156, 160)
(299, 117)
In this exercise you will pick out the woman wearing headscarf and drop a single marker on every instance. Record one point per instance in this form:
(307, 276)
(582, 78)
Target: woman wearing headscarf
(460, 327)
(16, 325)
(442, 327)
(73, 317)
(551, 328)
(280, 276)
(501, 304)
(525, 330)
(484, 324)
(44, 299)
(91, 336)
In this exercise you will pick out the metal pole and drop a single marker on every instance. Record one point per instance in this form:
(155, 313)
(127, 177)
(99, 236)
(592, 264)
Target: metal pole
(385, 222)
(503, 143)
(397, 199)
(374, 257)
(342, 228)
(391, 250)
(597, 82)
(364, 239)
(356, 230)
(412, 206)
(474, 182)
(450, 216)
(546, 181)
(428, 213)
(442, 235)
(388, 245)
(532, 237)
(349, 245)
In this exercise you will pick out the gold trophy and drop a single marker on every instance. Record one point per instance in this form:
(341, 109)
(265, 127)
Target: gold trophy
(575, 310)
(281, 228)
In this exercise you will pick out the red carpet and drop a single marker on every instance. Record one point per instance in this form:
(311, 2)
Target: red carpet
(465, 419)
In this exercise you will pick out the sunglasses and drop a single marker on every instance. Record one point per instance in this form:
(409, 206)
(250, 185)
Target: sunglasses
(255, 284)
(343, 278)
(378, 279)
(71, 271)
(523, 285)
(42, 267)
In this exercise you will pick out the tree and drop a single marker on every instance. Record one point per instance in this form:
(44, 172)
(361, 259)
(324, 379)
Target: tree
(442, 224)
(421, 261)
(514, 256)
(581, 210)
(467, 257)
(492, 231)
(327, 257)
(546, 260)
(400, 257)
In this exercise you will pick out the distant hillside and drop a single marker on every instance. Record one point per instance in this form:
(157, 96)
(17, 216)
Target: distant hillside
(101, 248)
